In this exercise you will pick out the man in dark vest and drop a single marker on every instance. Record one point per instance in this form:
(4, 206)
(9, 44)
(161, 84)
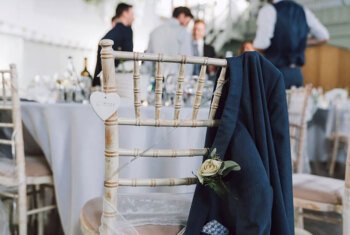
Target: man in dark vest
(283, 27)
(121, 34)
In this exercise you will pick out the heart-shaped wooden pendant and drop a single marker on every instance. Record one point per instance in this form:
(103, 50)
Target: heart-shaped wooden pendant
(104, 104)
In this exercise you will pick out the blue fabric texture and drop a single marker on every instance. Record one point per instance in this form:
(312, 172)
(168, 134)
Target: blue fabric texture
(292, 77)
(253, 132)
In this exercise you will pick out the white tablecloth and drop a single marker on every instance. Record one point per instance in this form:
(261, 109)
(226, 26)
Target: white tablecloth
(72, 139)
(321, 129)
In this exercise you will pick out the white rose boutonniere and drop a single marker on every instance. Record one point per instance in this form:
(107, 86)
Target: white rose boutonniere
(213, 170)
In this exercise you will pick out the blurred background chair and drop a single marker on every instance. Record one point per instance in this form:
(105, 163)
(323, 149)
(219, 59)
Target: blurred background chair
(339, 135)
(22, 178)
(323, 194)
(297, 100)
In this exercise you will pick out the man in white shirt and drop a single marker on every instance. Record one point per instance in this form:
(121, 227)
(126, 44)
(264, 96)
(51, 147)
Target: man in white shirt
(172, 38)
(282, 35)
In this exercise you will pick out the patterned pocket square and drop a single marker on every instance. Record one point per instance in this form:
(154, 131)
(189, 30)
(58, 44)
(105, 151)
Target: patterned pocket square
(215, 228)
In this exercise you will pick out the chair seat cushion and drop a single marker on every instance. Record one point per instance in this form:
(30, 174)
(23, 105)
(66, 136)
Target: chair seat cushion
(300, 231)
(35, 167)
(318, 188)
(91, 220)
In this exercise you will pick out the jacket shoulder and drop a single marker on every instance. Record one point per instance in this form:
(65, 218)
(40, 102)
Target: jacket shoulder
(270, 74)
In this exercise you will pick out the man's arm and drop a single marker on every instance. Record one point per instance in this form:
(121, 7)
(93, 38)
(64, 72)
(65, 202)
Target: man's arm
(128, 44)
(319, 33)
(98, 68)
(186, 49)
(265, 28)
(186, 45)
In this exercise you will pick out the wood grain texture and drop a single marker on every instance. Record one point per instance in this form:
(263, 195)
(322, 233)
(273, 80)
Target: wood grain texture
(327, 67)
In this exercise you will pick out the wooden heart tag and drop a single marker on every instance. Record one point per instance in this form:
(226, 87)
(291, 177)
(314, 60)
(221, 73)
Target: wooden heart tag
(104, 104)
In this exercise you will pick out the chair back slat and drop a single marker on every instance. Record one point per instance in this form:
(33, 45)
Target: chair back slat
(199, 91)
(157, 182)
(297, 100)
(158, 90)
(5, 86)
(4, 98)
(7, 107)
(137, 101)
(6, 125)
(179, 91)
(217, 94)
(168, 123)
(347, 169)
(168, 58)
(162, 152)
(6, 142)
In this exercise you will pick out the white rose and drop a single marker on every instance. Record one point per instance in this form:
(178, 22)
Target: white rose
(210, 167)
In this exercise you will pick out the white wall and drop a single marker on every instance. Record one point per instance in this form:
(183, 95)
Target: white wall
(39, 35)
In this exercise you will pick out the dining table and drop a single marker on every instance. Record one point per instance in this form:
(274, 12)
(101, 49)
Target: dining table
(72, 139)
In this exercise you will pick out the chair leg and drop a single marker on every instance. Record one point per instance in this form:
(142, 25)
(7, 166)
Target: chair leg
(33, 204)
(334, 155)
(22, 209)
(13, 207)
(298, 217)
(346, 212)
(40, 215)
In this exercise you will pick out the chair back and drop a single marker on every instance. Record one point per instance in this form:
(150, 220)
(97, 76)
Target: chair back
(112, 150)
(297, 100)
(10, 106)
(10, 103)
(346, 197)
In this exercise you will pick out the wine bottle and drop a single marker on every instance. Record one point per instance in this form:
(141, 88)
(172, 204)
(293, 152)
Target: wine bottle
(85, 72)
(71, 72)
(86, 81)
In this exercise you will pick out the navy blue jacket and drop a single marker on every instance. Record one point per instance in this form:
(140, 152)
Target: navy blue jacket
(253, 132)
(123, 41)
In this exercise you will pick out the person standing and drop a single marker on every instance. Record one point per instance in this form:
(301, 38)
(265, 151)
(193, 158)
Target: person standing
(121, 34)
(200, 48)
(282, 33)
(172, 38)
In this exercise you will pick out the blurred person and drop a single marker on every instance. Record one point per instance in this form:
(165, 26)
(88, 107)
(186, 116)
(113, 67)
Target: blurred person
(282, 33)
(200, 48)
(246, 46)
(114, 21)
(121, 34)
(172, 38)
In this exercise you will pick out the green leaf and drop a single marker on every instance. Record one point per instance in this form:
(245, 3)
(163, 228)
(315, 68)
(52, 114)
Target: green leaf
(200, 178)
(213, 153)
(229, 166)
